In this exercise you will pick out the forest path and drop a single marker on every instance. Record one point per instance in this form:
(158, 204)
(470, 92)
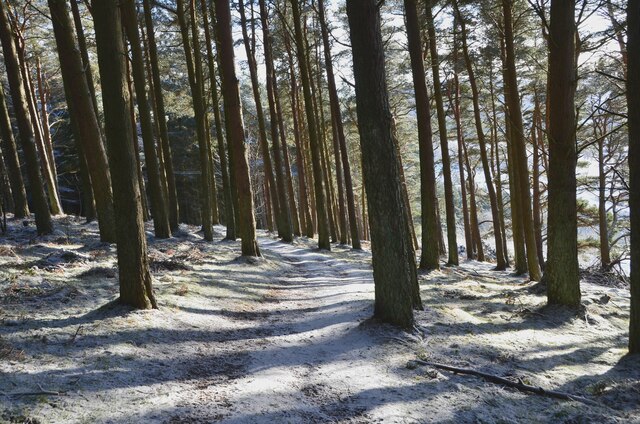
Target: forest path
(288, 339)
(318, 360)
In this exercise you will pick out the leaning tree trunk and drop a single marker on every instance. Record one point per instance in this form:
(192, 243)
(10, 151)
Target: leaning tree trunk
(10, 154)
(312, 128)
(84, 117)
(429, 257)
(25, 128)
(394, 267)
(235, 129)
(633, 98)
(133, 263)
(562, 271)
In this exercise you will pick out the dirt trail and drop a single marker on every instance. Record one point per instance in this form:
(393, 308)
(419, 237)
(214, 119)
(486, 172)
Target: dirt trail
(288, 338)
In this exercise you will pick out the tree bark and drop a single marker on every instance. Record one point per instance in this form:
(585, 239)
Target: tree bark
(25, 129)
(273, 172)
(135, 279)
(312, 128)
(452, 238)
(521, 163)
(192, 48)
(430, 255)
(235, 129)
(394, 267)
(633, 99)
(158, 202)
(84, 117)
(10, 154)
(562, 272)
(222, 150)
(161, 119)
(501, 263)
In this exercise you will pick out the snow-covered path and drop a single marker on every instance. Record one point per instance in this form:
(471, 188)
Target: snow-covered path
(288, 339)
(321, 363)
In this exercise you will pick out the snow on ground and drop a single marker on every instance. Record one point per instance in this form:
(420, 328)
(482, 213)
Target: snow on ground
(288, 338)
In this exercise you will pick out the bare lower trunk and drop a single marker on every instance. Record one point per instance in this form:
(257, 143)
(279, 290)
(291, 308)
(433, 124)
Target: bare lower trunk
(394, 267)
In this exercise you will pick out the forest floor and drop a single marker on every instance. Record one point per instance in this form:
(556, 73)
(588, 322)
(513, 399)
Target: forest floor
(288, 338)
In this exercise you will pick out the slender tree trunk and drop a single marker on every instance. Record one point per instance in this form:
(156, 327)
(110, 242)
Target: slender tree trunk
(605, 256)
(235, 129)
(135, 279)
(316, 158)
(47, 162)
(496, 167)
(158, 202)
(25, 129)
(633, 98)
(495, 215)
(455, 107)
(46, 132)
(161, 119)
(194, 65)
(562, 270)
(10, 154)
(538, 141)
(84, 118)
(521, 162)
(222, 150)
(305, 214)
(136, 148)
(274, 178)
(452, 239)
(430, 255)
(394, 267)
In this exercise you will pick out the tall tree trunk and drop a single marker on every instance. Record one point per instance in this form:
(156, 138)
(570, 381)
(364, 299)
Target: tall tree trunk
(501, 262)
(600, 125)
(84, 118)
(10, 154)
(312, 128)
(633, 99)
(305, 211)
(273, 171)
(158, 202)
(521, 163)
(538, 142)
(47, 162)
(452, 239)
(222, 150)
(339, 129)
(136, 148)
(161, 119)
(562, 271)
(133, 264)
(25, 129)
(235, 129)
(394, 267)
(192, 54)
(430, 255)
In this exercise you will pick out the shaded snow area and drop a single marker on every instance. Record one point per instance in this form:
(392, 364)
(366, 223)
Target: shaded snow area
(288, 339)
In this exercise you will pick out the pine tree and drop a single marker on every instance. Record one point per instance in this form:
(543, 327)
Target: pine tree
(394, 267)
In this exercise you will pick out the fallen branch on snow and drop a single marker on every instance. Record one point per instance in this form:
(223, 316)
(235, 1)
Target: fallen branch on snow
(35, 393)
(519, 385)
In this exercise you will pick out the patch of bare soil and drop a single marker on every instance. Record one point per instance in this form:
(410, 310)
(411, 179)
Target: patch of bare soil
(289, 338)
